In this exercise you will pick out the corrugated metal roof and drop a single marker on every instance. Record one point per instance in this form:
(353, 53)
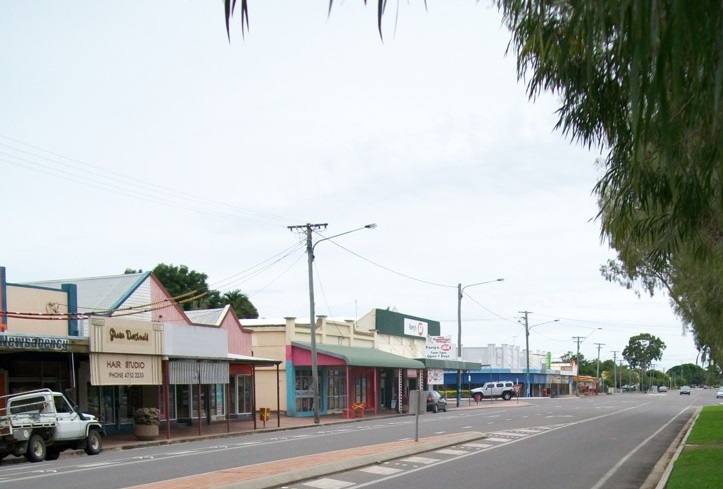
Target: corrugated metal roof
(363, 357)
(449, 364)
(99, 293)
(211, 317)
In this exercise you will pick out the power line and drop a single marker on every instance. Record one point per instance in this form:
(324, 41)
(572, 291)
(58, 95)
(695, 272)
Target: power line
(393, 271)
(78, 171)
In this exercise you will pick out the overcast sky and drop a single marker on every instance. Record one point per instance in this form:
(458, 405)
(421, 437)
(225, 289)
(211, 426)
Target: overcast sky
(134, 133)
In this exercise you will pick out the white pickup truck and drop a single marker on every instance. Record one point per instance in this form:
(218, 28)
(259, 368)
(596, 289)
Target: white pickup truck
(40, 424)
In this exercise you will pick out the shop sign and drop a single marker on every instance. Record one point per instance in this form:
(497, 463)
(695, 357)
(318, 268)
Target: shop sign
(119, 369)
(39, 343)
(415, 327)
(439, 347)
(435, 376)
(113, 335)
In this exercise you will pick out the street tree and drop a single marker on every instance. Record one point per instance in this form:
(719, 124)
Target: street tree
(190, 290)
(639, 81)
(687, 374)
(642, 350)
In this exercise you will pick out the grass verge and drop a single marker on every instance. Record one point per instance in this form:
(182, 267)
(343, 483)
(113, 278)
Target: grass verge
(699, 464)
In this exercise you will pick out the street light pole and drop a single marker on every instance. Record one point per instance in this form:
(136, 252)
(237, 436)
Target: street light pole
(579, 340)
(460, 290)
(310, 245)
(528, 390)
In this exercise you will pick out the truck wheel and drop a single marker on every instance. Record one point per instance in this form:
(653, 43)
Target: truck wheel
(477, 397)
(36, 449)
(52, 454)
(93, 444)
(506, 396)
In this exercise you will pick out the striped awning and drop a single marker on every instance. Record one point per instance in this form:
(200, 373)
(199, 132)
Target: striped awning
(197, 372)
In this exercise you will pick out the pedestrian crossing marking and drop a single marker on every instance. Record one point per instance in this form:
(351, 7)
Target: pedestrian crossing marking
(477, 445)
(420, 460)
(328, 484)
(449, 451)
(375, 469)
(509, 433)
(499, 440)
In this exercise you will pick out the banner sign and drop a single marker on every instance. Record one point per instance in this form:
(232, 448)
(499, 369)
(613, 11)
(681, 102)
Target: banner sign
(439, 347)
(435, 376)
(415, 327)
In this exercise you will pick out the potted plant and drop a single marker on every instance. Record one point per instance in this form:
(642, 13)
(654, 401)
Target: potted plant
(146, 421)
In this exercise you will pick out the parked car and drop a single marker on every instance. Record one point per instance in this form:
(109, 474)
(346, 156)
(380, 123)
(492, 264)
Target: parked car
(662, 388)
(719, 394)
(505, 390)
(436, 402)
(685, 390)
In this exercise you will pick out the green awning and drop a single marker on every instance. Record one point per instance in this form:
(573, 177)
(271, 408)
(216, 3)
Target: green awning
(363, 357)
(439, 363)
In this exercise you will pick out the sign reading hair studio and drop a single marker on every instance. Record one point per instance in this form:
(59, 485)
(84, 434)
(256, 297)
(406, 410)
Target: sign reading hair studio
(125, 352)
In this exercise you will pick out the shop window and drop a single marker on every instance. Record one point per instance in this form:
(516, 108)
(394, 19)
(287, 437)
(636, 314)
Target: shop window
(304, 392)
(336, 391)
(360, 389)
(242, 399)
(183, 401)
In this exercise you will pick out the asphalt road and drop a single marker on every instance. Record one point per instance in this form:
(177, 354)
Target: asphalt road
(592, 443)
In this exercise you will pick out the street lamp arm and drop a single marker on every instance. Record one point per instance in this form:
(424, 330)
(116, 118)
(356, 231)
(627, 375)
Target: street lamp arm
(480, 283)
(540, 324)
(368, 226)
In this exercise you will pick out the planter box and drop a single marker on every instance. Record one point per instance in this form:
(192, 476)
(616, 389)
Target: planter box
(146, 431)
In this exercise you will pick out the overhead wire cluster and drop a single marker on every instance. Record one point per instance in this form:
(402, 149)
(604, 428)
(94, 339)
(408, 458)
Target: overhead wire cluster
(121, 311)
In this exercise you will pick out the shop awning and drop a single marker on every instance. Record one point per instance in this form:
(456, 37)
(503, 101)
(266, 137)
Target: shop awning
(363, 357)
(245, 359)
(445, 364)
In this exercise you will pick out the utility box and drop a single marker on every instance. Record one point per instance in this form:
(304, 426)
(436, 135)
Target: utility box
(417, 402)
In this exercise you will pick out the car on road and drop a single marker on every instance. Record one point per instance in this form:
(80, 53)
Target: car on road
(436, 402)
(685, 390)
(719, 394)
(505, 390)
(662, 388)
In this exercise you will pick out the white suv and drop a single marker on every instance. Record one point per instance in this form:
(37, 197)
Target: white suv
(505, 390)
